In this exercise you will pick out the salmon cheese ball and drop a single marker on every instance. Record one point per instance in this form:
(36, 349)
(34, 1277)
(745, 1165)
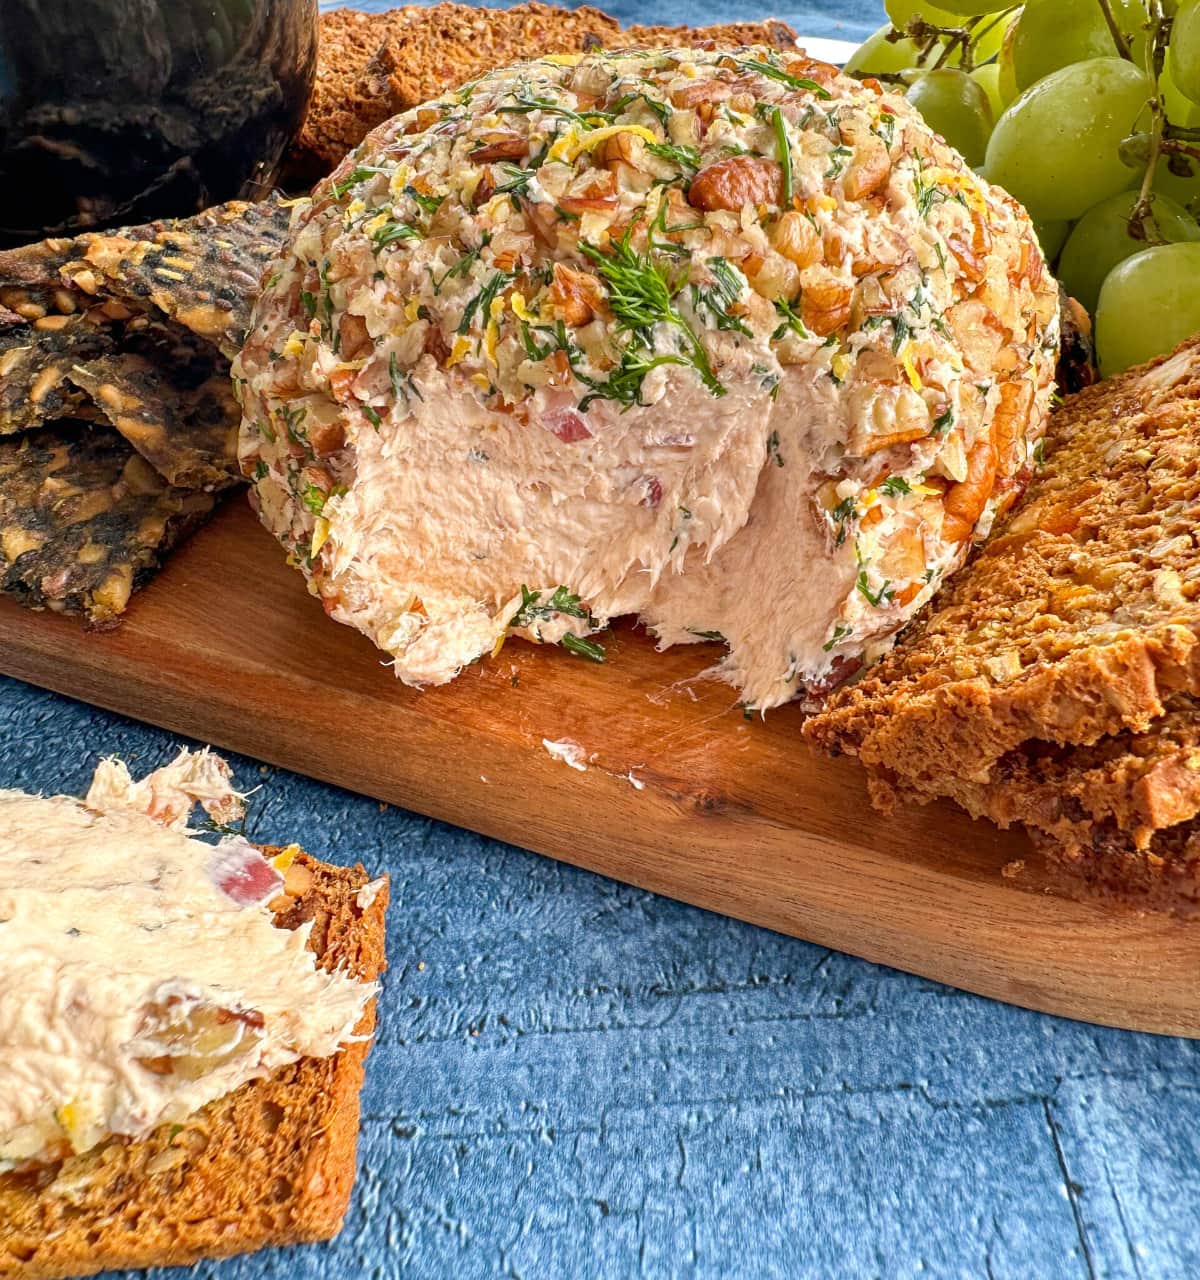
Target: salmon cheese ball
(724, 340)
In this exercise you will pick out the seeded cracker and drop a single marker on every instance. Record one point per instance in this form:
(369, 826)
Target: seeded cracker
(65, 302)
(33, 265)
(202, 272)
(174, 403)
(85, 520)
(34, 363)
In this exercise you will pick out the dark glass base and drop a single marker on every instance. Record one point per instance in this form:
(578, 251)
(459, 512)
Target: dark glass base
(118, 111)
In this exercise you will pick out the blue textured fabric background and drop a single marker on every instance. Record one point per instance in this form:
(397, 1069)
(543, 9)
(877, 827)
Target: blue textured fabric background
(574, 1078)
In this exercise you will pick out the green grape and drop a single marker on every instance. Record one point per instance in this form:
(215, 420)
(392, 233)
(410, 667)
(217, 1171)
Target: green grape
(987, 30)
(990, 33)
(1148, 305)
(969, 8)
(902, 13)
(877, 56)
(1006, 81)
(955, 106)
(1055, 148)
(1102, 239)
(1185, 50)
(1052, 236)
(1054, 33)
(987, 78)
(1180, 109)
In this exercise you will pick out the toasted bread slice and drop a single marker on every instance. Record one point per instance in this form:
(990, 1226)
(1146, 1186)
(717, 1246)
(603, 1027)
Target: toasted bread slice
(1109, 867)
(1133, 784)
(371, 66)
(1079, 619)
(272, 1163)
(1120, 818)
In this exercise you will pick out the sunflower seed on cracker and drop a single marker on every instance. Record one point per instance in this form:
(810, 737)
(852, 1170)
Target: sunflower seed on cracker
(85, 520)
(185, 427)
(34, 362)
(202, 272)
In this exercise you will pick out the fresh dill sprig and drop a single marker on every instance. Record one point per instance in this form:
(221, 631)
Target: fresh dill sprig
(661, 109)
(839, 157)
(583, 648)
(642, 294)
(390, 232)
(427, 204)
(785, 154)
(524, 104)
(687, 158)
(482, 301)
(533, 609)
(773, 72)
(360, 174)
(884, 596)
(791, 321)
(461, 267)
(517, 183)
(895, 487)
(403, 386)
(724, 292)
(624, 384)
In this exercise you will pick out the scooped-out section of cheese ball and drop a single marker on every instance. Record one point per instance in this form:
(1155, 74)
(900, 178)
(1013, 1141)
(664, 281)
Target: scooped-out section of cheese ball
(724, 340)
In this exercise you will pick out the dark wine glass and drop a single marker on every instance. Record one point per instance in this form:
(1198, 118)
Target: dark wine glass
(120, 111)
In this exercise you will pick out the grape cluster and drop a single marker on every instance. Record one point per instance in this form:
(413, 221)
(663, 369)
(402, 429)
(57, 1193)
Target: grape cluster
(1088, 112)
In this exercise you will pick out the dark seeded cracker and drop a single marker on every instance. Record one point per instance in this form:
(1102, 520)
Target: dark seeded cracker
(34, 363)
(169, 394)
(203, 272)
(85, 520)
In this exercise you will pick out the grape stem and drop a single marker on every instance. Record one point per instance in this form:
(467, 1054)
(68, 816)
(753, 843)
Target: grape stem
(927, 35)
(965, 37)
(1142, 225)
(1114, 27)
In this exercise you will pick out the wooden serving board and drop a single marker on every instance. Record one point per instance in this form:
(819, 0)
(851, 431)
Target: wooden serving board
(681, 794)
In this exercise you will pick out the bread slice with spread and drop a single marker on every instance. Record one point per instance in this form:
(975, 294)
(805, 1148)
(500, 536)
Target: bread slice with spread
(191, 1090)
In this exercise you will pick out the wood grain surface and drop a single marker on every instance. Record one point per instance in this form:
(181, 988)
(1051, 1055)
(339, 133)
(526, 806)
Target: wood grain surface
(681, 794)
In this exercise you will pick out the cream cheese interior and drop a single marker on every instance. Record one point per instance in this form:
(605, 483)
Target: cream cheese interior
(141, 975)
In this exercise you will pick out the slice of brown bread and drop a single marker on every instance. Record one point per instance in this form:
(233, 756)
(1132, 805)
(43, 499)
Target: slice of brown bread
(371, 66)
(1077, 620)
(1163, 877)
(1130, 784)
(721, 35)
(272, 1163)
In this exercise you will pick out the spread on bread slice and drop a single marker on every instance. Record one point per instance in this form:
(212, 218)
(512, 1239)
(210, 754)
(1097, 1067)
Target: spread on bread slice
(142, 974)
(270, 1160)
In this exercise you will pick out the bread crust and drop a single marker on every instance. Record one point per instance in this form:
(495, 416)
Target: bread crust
(1054, 684)
(272, 1163)
(1079, 619)
(371, 66)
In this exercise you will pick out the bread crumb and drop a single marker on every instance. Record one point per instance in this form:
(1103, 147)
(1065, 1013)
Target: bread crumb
(1011, 870)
